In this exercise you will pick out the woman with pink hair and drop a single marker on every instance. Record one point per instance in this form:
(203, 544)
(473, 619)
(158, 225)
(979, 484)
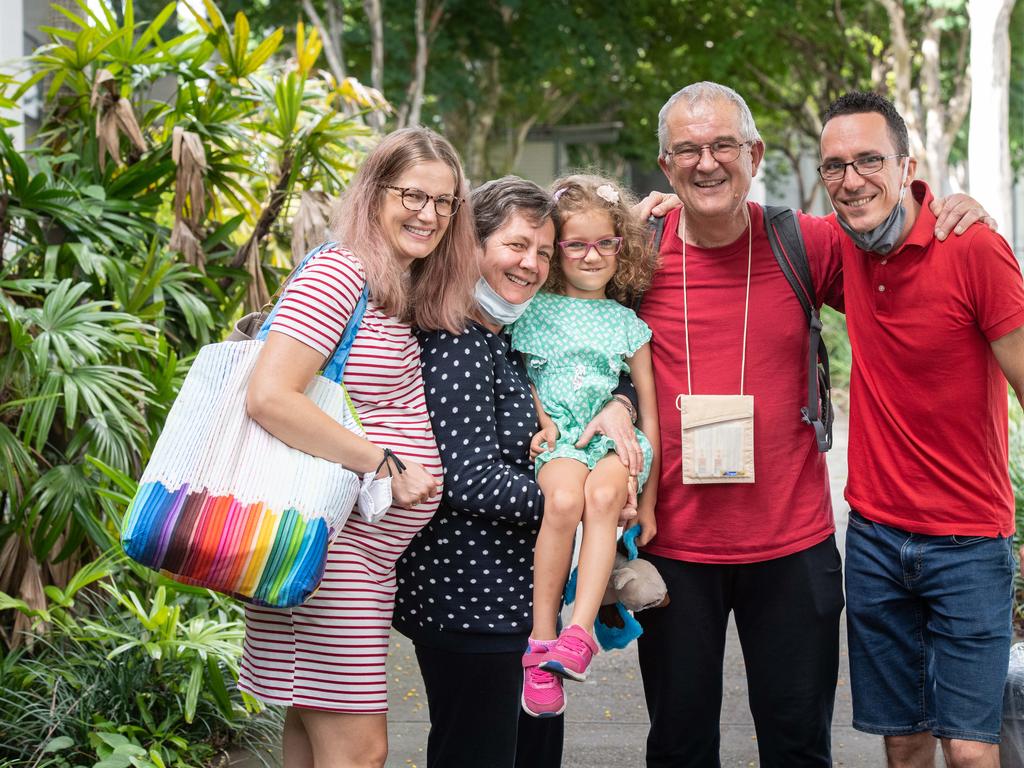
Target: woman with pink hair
(401, 234)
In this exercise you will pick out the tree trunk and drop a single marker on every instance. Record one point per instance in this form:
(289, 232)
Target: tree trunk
(518, 143)
(482, 120)
(335, 27)
(989, 143)
(249, 252)
(902, 70)
(409, 114)
(933, 120)
(375, 20)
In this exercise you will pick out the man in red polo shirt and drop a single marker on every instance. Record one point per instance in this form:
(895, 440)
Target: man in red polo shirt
(936, 329)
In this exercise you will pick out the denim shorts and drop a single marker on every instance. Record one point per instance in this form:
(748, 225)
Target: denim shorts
(929, 626)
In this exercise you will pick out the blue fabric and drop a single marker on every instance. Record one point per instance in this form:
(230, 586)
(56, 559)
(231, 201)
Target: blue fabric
(335, 367)
(928, 619)
(569, 596)
(629, 541)
(614, 637)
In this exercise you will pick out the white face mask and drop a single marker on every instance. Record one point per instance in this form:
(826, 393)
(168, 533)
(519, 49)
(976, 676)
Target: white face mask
(494, 306)
(884, 237)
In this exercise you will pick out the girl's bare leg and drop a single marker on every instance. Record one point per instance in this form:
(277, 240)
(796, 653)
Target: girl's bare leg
(605, 494)
(562, 481)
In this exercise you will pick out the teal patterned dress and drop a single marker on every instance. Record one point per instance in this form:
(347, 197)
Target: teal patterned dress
(575, 350)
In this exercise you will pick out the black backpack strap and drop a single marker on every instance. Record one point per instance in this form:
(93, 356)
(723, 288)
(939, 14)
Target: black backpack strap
(787, 245)
(656, 224)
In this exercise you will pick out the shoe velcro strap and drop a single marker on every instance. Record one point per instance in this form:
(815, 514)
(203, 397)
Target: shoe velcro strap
(534, 659)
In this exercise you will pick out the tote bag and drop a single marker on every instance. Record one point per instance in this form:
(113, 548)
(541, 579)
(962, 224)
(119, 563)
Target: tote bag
(223, 504)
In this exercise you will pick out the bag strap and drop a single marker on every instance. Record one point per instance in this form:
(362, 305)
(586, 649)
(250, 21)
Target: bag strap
(335, 365)
(787, 245)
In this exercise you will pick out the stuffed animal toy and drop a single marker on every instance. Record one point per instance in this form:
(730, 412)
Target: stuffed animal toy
(634, 585)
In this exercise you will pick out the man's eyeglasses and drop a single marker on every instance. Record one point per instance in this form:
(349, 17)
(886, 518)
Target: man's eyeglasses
(416, 199)
(724, 151)
(578, 249)
(834, 170)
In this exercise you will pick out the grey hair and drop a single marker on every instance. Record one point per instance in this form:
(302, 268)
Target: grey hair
(706, 92)
(495, 201)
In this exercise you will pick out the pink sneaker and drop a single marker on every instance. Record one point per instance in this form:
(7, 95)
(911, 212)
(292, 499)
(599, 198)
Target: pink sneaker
(542, 691)
(570, 657)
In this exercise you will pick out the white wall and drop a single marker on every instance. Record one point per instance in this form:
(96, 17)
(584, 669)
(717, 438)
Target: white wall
(11, 49)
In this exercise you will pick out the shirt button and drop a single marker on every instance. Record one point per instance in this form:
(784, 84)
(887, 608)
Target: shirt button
(881, 288)
(885, 261)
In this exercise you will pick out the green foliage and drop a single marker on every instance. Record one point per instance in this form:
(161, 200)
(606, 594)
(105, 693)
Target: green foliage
(122, 256)
(1017, 479)
(144, 679)
(839, 356)
(152, 201)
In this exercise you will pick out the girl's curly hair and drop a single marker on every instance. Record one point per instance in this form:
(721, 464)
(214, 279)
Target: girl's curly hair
(636, 262)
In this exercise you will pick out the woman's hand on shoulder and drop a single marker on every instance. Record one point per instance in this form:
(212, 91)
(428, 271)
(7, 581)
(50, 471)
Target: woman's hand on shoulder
(414, 485)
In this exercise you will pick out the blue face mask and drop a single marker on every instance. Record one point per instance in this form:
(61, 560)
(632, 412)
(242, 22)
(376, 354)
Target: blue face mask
(884, 237)
(494, 306)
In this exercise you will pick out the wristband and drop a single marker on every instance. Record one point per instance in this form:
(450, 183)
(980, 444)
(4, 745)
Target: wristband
(389, 458)
(625, 403)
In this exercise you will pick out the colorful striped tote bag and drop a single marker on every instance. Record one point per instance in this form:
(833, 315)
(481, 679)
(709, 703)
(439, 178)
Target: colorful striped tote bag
(225, 505)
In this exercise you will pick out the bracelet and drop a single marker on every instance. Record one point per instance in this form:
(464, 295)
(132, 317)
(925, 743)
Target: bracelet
(389, 458)
(627, 404)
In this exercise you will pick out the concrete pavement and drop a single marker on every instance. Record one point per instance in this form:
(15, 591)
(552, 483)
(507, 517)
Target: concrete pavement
(606, 720)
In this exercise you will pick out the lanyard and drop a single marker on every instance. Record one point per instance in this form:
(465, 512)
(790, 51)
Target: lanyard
(746, 307)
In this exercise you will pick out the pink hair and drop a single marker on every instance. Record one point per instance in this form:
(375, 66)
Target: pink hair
(438, 293)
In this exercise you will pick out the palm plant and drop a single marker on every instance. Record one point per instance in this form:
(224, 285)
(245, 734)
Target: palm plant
(148, 210)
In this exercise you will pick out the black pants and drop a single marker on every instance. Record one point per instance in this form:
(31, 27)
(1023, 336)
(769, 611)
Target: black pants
(476, 719)
(787, 613)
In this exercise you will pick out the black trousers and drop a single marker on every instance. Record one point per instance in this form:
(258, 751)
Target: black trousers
(476, 719)
(787, 613)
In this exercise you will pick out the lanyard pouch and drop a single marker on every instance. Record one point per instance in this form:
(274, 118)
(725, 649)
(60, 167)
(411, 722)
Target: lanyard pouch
(717, 438)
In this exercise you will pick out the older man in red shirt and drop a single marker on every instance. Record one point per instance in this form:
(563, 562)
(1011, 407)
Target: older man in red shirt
(936, 330)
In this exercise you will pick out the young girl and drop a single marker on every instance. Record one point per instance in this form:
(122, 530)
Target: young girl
(578, 336)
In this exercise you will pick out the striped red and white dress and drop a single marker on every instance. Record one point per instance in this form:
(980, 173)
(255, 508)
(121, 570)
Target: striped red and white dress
(330, 652)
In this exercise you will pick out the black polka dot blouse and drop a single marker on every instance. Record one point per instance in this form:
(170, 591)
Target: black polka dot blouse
(465, 582)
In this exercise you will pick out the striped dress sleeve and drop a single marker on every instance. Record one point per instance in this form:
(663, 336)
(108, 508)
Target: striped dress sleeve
(319, 301)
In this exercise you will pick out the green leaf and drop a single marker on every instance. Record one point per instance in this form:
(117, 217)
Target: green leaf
(113, 740)
(195, 681)
(122, 480)
(215, 682)
(58, 744)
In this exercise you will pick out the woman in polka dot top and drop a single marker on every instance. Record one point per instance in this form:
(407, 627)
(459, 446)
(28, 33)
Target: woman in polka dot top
(465, 582)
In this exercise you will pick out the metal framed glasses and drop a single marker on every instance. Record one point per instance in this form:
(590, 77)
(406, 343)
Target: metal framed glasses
(578, 249)
(416, 199)
(724, 151)
(834, 170)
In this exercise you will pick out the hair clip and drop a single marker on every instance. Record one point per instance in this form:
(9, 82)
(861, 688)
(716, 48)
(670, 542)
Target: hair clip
(607, 193)
(559, 192)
